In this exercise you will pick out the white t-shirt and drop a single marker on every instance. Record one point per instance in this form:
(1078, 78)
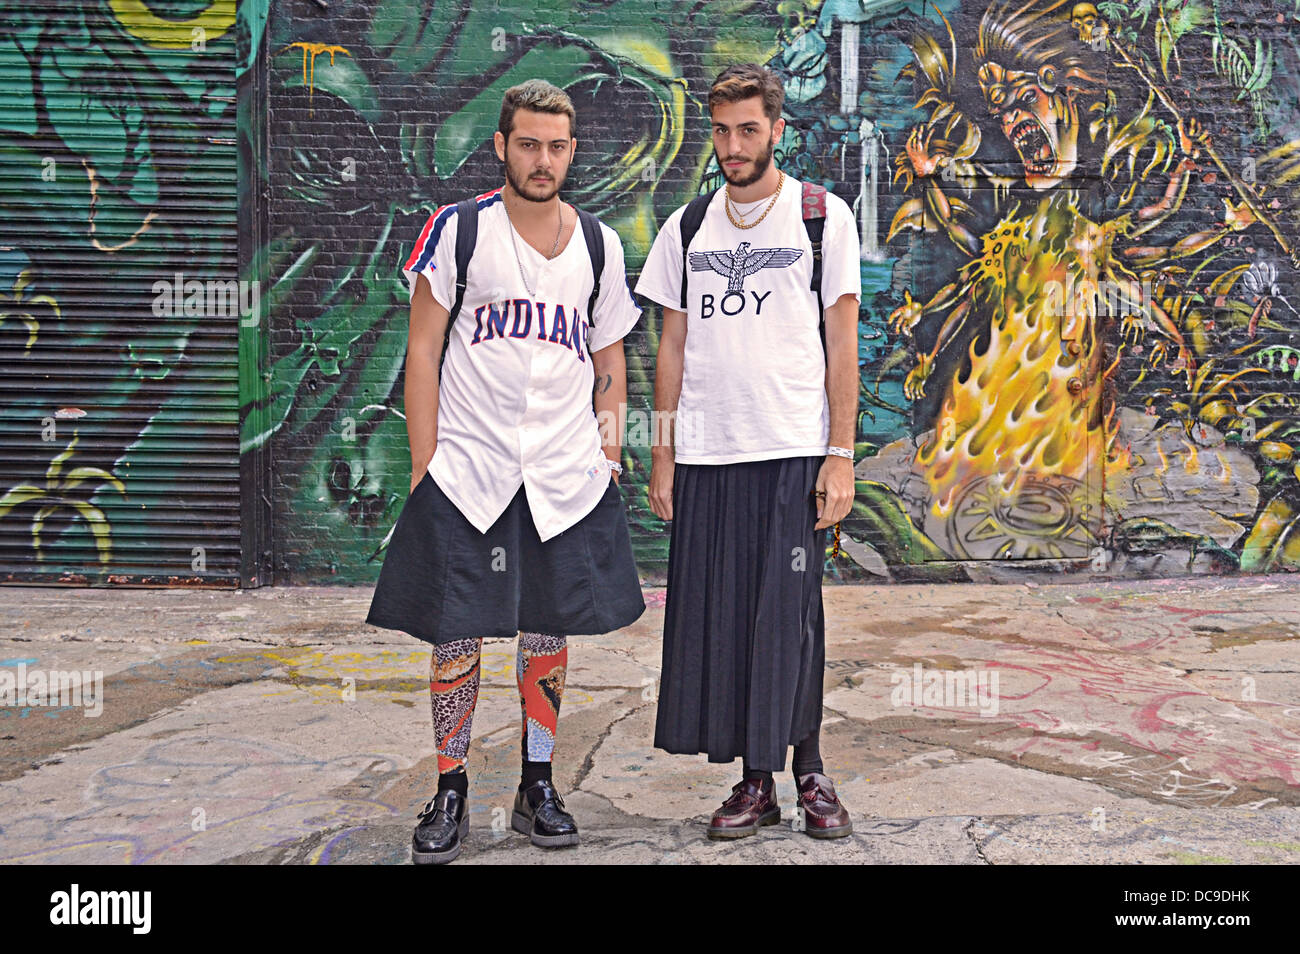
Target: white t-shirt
(754, 374)
(515, 399)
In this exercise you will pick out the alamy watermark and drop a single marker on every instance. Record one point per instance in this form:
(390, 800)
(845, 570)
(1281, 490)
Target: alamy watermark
(1098, 297)
(56, 688)
(178, 297)
(638, 427)
(129, 908)
(946, 689)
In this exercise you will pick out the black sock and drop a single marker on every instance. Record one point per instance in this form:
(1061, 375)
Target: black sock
(763, 778)
(808, 756)
(456, 781)
(534, 772)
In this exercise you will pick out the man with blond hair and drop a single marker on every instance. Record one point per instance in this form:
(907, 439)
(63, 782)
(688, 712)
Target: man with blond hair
(516, 522)
(764, 381)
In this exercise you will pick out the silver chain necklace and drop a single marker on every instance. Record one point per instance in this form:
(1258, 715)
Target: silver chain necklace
(518, 261)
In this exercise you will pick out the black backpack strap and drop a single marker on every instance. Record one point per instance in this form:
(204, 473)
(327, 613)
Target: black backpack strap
(690, 224)
(596, 252)
(466, 237)
(814, 223)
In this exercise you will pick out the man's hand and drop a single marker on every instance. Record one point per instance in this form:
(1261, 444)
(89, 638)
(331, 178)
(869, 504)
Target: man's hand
(423, 355)
(661, 485)
(670, 361)
(835, 479)
(418, 475)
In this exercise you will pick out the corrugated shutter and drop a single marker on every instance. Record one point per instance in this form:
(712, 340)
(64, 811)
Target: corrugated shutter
(119, 413)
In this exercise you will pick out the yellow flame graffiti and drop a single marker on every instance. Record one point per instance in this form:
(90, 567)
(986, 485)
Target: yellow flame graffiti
(1014, 414)
(1020, 434)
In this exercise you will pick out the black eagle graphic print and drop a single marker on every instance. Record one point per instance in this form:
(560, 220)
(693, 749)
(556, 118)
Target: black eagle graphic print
(742, 262)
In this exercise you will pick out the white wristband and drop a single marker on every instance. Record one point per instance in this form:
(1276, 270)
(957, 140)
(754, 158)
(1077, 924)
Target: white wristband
(615, 466)
(840, 452)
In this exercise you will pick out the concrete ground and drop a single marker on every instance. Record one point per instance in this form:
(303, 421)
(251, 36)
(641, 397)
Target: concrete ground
(1147, 722)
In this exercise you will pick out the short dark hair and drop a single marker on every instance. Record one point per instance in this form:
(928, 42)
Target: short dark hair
(746, 80)
(539, 96)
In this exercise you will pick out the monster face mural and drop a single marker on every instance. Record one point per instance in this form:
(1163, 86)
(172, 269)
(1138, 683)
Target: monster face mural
(1038, 115)
(1072, 337)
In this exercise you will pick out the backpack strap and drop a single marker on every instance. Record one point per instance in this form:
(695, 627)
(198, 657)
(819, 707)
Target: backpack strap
(466, 237)
(814, 222)
(690, 224)
(596, 252)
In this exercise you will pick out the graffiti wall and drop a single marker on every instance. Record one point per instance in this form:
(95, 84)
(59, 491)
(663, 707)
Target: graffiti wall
(382, 111)
(119, 293)
(1098, 337)
(1077, 331)
(1079, 225)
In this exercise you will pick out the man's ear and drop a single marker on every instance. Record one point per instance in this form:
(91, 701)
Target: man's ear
(778, 128)
(499, 141)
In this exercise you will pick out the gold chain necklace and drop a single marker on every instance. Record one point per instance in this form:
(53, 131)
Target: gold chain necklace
(727, 204)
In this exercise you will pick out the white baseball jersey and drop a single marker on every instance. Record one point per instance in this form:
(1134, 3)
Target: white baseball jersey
(754, 372)
(515, 399)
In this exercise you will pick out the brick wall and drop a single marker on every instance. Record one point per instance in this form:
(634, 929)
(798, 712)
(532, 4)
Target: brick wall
(997, 456)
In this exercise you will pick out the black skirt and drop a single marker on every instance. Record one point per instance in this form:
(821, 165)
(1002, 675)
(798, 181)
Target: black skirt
(442, 580)
(744, 648)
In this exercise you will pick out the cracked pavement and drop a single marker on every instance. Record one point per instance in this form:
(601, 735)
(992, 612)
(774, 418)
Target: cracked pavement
(1117, 723)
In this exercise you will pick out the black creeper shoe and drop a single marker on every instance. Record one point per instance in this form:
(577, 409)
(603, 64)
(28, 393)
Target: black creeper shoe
(539, 813)
(444, 821)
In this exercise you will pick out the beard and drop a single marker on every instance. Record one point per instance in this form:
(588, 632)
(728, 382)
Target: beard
(761, 162)
(528, 189)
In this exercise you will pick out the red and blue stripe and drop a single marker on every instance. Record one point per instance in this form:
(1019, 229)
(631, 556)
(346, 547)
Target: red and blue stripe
(422, 254)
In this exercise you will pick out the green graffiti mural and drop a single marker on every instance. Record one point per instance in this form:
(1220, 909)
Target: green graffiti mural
(117, 171)
(383, 112)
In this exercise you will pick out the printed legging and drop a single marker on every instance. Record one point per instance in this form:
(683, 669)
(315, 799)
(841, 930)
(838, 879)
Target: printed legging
(540, 662)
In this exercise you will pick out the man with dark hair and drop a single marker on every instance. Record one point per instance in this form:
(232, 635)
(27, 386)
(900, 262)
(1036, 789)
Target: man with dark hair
(515, 523)
(759, 461)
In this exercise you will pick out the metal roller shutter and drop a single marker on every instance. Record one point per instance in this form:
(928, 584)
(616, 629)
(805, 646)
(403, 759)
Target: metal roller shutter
(119, 411)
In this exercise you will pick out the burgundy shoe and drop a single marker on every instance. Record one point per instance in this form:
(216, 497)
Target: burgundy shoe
(823, 814)
(750, 807)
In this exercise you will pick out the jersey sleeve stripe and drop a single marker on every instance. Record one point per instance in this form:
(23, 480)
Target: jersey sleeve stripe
(426, 243)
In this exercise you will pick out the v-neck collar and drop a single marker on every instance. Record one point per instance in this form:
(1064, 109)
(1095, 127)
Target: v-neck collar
(521, 242)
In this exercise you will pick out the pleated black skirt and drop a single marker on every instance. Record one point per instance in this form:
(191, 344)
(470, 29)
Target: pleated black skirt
(442, 580)
(744, 648)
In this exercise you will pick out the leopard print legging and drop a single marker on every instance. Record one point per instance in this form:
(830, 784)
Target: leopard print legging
(540, 664)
